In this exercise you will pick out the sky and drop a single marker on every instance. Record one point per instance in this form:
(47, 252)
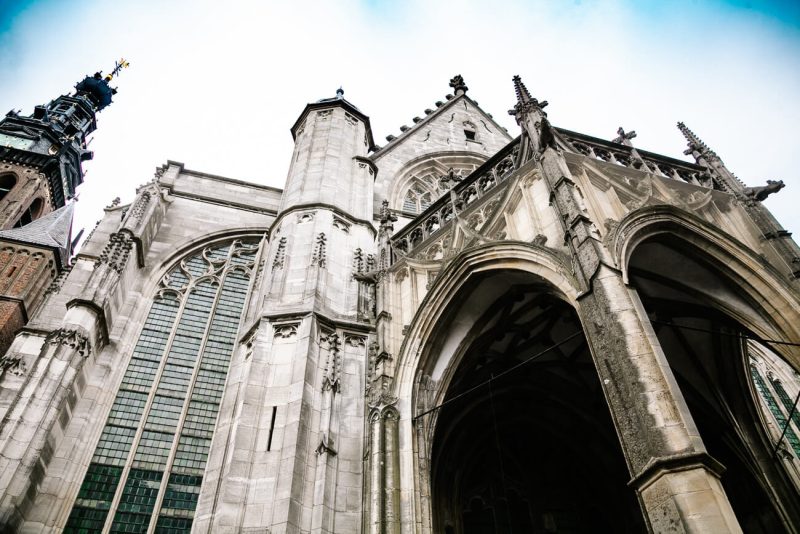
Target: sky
(217, 85)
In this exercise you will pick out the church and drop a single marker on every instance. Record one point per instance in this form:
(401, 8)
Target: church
(463, 330)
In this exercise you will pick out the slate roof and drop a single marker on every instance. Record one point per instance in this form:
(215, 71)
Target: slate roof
(54, 230)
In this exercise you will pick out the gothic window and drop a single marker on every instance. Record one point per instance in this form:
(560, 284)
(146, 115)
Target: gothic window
(7, 183)
(772, 404)
(31, 213)
(417, 199)
(148, 466)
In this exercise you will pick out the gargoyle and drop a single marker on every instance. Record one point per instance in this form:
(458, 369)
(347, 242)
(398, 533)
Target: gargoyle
(762, 192)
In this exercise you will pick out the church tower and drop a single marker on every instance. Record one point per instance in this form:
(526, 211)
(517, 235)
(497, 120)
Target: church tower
(40, 170)
(41, 155)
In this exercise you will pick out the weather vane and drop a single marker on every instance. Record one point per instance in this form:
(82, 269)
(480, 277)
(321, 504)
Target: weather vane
(118, 66)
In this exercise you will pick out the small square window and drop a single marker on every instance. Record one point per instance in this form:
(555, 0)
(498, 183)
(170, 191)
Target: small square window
(470, 135)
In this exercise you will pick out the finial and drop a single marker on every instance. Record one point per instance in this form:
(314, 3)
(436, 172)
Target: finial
(525, 102)
(623, 137)
(695, 144)
(458, 85)
(96, 87)
(118, 66)
(340, 92)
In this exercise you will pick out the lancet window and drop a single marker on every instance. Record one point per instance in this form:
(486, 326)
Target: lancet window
(417, 198)
(7, 183)
(148, 466)
(775, 409)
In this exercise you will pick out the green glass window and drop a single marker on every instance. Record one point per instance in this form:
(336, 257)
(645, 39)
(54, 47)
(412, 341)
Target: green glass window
(776, 411)
(149, 461)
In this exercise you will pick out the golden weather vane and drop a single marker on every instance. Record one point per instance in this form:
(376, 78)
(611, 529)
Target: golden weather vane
(118, 66)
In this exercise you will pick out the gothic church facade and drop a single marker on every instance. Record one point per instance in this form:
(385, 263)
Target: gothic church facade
(461, 331)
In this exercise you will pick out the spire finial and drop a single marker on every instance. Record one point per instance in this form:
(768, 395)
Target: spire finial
(523, 95)
(695, 144)
(340, 92)
(118, 66)
(458, 85)
(525, 102)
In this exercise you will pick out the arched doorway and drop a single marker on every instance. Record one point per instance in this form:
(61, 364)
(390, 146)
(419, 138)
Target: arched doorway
(699, 316)
(525, 445)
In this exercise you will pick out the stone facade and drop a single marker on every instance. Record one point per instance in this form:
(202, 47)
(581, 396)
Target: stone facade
(397, 340)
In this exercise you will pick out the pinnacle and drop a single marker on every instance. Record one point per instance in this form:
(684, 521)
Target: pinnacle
(523, 95)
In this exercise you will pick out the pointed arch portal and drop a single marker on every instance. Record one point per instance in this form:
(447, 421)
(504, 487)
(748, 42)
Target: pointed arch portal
(702, 318)
(524, 441)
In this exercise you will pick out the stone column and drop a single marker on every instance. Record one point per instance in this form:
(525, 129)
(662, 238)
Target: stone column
(676, 480)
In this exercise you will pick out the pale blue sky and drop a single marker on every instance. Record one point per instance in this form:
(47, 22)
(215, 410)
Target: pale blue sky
(217, 85)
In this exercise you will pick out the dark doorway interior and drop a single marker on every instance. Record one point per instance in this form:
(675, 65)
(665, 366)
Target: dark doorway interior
(535, 452)
(685, 299)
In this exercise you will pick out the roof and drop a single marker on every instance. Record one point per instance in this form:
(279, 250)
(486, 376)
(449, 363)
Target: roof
(54, 230)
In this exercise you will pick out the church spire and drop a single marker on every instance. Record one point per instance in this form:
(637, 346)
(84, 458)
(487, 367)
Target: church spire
(53, 140)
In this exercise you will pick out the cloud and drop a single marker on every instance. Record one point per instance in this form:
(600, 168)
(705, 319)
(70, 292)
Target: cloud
(217, 85)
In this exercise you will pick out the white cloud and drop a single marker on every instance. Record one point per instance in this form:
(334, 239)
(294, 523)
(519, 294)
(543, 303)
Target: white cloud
(217, 85)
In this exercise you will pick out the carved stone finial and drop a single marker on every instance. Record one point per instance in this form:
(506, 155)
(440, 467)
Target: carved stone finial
(695, 144)
(386, 216)
(114, 203)
(762, 192)
(623, 137)
(525, 102)
(458, 85)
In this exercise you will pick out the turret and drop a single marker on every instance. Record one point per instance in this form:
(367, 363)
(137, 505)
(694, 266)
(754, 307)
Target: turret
(41, 155)
(329, 163)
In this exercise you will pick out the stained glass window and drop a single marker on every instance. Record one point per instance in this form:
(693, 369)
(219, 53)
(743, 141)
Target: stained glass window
(775, 409)
(149, 462)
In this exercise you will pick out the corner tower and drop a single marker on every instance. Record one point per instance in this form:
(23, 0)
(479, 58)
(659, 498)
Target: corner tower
(329, 163)
(41, 155)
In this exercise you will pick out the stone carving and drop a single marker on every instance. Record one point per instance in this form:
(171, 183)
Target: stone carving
(349, 119)
(446, 181)
(358, 262)
(140, 205)
(401, 275)
(341, 224)
(457, 83)
(760, 193)
(71, 338)
(540, 240)
(13, 365)
(324, 114)
(333, 365)
(58, 281)
(319, 255)
(355, 340)
(286, 330)
(116, 252)
(324, 448)
(305, 217)
(623, 137)
(114, 203)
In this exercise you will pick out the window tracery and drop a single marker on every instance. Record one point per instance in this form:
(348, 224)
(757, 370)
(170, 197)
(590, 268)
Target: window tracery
(157, 438)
